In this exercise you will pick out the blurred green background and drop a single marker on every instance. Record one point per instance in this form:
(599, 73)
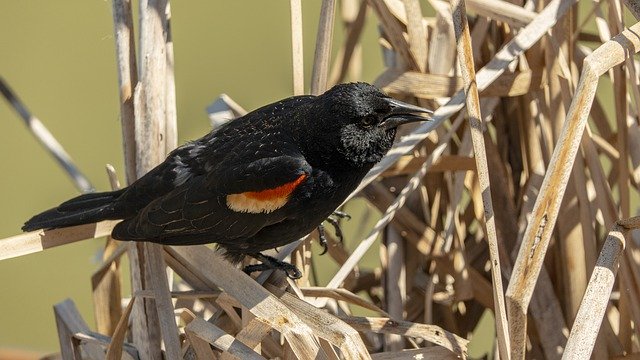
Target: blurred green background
(59, 58)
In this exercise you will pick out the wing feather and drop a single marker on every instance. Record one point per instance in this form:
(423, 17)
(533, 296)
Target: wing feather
(197, 208)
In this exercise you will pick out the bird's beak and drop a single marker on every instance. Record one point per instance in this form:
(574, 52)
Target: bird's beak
(403, 113)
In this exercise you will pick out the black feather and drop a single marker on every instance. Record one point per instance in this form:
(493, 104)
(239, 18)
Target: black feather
(83, 209)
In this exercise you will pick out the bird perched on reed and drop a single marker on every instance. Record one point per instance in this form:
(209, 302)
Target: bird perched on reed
(259, 182)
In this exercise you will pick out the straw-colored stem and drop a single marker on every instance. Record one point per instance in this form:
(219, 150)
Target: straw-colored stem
(324, 39)
(594, 304)
(171, 113)
(465, 56)
(296, 47)
(36, 241)
(395, 283)
(151, 107)
(127, 80)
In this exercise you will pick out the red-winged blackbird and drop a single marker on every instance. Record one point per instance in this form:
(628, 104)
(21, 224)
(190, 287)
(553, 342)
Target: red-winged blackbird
(259, 182)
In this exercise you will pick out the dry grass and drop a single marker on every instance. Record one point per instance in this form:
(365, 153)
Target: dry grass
(520, 140)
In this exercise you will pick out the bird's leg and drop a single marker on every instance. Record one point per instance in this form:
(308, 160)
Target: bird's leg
(269, 263)
(322, 239)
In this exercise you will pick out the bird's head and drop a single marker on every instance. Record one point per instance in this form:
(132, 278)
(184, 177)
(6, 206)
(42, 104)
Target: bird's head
(358, 122)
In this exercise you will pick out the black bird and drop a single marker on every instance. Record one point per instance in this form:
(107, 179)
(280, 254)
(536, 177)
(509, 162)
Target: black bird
(259, 182)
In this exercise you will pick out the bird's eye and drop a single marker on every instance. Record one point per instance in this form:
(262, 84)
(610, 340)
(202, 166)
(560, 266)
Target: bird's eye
(369, 120)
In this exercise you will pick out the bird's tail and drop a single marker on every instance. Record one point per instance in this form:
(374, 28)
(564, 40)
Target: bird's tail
(83, 209)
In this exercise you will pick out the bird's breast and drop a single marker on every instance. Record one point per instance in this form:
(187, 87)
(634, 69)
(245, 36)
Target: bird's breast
(325, 191)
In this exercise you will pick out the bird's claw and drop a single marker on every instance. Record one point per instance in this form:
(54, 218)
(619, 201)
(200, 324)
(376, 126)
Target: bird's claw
(322, 239)
(292, 272)
(336, 228)
(271, 263)
(333, 220)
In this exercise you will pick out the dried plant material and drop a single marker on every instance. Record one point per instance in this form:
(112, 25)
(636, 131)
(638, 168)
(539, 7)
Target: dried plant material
(326, 326)
(432, 353)
(585, 329)
(404, 83)
(296, 47)
(465, 56)
(77, 341)
(162, 300)
(416, 33)
(341, 294)
(394, 32)
(127, 80)
(545, 211)
(35, 241)
(223, 109)
(220, 340)
(105, 283)
(442, 53)
(324, 40)
(499, 10)
(409, 164)
(389, 214)
(171, 113)
(349, 57)
(115, 347)
(252, 333)
(254, 297)
(430, 333)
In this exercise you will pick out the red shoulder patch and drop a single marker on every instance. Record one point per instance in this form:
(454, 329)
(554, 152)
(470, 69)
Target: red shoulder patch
(264, 201)
(278, 192)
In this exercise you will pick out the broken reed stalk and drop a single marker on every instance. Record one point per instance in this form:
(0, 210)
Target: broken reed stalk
(255, 298)
(127, 80)
(596, 298)
(151, 136)
(296, 47)
(322, 55)
(36, 241)
(171, 113)
(465, 57)
(105, 281)
(46, 139)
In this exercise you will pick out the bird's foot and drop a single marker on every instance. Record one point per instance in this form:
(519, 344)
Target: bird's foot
(271, 263)
(336, 228)
(322, 238)
(333, 220)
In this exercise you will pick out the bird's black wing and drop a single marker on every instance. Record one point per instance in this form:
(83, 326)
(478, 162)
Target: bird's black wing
(235, 202)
